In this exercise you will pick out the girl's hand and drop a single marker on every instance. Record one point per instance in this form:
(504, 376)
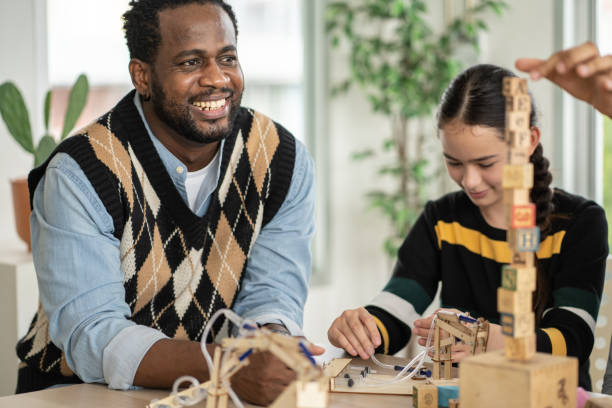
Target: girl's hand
(355, 331)
(422, 326)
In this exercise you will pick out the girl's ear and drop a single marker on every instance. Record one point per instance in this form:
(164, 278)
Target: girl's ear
(535, 139)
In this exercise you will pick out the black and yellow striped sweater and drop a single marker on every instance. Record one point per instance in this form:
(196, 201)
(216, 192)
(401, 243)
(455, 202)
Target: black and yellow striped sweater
(452, 243)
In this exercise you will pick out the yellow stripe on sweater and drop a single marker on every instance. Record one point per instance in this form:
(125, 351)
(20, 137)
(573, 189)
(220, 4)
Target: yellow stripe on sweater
(384, 333)
(559, 348)
(478, 243)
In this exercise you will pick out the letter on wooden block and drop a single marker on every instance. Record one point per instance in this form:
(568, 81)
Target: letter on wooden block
(491, 380)
(519, 139)
(520, 325)
(518, 278)
(523, 216)
(524, 239)
(513, 302)
(514, 86)
(523, 259)
(518, 176)
(520, 348)
(520, 103)
(425, 396)
(517, 121)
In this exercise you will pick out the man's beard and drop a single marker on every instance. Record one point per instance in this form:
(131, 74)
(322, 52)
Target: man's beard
(178, 117)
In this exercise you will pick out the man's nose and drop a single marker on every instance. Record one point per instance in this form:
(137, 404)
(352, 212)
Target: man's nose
(213, 76)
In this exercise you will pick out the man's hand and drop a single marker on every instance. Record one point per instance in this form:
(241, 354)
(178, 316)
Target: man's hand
(263, 379)
(581, 71)
(355, 331)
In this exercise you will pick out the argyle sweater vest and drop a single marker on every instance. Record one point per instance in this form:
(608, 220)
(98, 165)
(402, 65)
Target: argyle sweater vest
(178, 268)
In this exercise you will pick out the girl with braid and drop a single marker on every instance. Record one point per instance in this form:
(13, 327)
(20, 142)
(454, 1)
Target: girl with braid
(460, 241)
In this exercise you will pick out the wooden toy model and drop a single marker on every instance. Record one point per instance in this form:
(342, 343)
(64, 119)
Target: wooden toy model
(310, 389)
(473, 332)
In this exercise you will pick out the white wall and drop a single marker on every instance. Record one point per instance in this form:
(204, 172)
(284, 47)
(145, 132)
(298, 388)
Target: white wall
(357, 264)
(23, 60)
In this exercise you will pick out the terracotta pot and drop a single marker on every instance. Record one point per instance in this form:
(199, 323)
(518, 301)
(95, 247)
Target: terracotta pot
(21, 205)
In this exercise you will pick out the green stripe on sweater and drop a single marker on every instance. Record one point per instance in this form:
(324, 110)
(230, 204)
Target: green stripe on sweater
(411, 291)
(574, 297)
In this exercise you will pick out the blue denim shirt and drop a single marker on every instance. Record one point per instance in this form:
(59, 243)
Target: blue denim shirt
(81, 282)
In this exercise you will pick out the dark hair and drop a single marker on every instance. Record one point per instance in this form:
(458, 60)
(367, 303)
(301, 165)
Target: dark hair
(475, 97)
(141, 24)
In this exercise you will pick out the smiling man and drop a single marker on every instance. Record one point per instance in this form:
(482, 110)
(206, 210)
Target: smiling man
(176, 203)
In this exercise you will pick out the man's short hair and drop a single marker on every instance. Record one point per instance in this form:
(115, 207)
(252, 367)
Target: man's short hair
(141, 24)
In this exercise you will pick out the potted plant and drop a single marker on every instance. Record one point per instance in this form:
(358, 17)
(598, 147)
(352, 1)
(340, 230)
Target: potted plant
(403, 66)
(17, 120)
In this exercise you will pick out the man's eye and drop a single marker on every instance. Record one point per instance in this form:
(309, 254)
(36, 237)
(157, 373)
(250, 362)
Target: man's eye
(486, 165)
(190, 62)
(453, 164)
(229, 59)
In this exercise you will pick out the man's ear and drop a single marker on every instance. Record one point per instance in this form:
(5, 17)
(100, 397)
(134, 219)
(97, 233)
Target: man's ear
(140, 72)
(535, 139)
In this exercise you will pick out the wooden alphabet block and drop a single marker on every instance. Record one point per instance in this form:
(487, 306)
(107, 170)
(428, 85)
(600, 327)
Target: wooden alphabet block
(516, 196)
(513, 302)
(520, 348)
(522, 216)
(514, 86)
(517, 325)
(517, 176)
(519, 139)
(425, 396)
(524, 239)
(518, 278)
(523, 259)
(518, 156)
(520, 103)
(516, 121)
(490, 380)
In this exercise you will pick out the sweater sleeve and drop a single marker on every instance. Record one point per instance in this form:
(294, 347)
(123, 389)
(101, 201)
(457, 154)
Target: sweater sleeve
(568, 326)
(412, 286)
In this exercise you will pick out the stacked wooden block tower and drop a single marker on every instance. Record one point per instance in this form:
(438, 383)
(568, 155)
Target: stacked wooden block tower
(518, 377)
(519, 278)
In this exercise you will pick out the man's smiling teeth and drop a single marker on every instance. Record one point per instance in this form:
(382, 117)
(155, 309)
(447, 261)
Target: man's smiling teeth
(210, 105)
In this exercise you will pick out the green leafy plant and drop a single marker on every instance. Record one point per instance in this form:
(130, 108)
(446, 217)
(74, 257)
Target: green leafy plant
(403, 67)
(17, 119)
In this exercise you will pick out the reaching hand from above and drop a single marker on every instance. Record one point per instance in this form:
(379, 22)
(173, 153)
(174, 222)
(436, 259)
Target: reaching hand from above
(581, 71)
